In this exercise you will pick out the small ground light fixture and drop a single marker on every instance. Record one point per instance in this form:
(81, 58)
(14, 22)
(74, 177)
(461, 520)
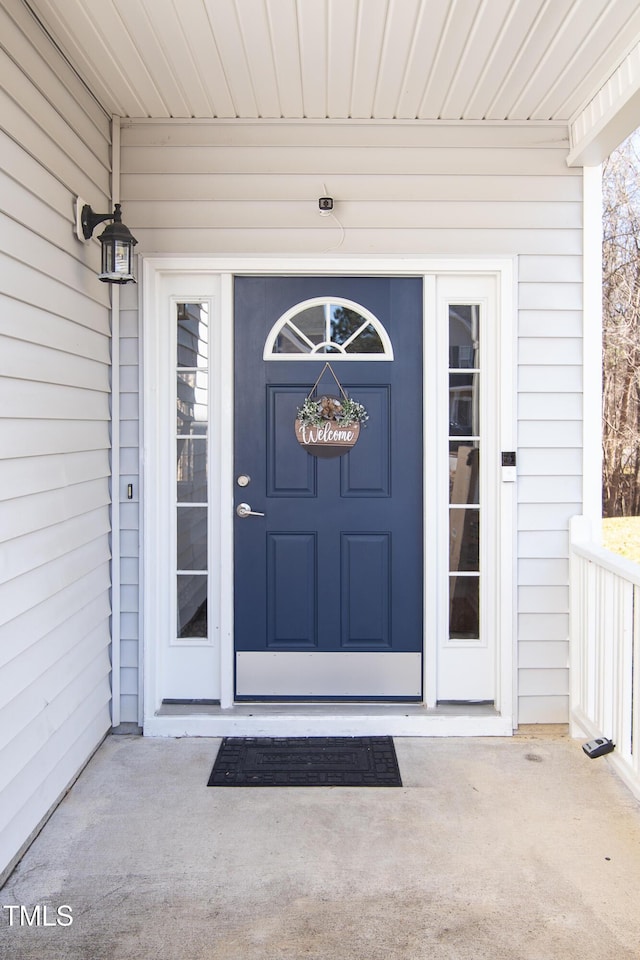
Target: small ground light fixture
(598, 747)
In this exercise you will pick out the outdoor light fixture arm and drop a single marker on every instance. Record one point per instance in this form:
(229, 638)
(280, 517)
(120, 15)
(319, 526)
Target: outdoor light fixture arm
(90, 220)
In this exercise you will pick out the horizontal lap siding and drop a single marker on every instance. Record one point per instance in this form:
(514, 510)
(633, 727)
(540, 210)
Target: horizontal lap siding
(54, 432)
(550, 477)
(234, 188)
(129, 509)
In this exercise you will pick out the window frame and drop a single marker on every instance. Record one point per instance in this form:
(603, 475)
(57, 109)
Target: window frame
(338, 355)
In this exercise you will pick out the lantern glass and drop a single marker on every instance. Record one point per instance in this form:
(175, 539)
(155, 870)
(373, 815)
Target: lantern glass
(116, 261)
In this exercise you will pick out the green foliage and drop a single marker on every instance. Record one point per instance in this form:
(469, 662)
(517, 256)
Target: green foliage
(345, 411)
(345, 324)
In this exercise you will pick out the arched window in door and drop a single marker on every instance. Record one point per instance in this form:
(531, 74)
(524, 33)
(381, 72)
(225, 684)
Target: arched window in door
(328, 326)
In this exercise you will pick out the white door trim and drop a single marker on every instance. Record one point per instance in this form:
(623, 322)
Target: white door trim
(154, 271)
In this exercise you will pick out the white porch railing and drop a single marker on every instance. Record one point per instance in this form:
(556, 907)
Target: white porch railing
(605, 648)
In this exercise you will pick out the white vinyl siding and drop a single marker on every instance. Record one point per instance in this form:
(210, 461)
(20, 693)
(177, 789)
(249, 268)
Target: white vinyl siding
(550, 482)
(54, 432)
(252, 188)
(129, 508)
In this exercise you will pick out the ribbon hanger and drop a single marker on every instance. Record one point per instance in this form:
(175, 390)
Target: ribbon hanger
(328, 367)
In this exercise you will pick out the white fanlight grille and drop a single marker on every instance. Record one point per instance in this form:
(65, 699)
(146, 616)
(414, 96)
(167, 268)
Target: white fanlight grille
(333, 326)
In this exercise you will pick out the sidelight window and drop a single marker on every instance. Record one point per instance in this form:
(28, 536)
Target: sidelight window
(464, 472)
(192, 436)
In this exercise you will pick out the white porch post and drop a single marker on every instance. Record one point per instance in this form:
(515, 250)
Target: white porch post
(592, 350)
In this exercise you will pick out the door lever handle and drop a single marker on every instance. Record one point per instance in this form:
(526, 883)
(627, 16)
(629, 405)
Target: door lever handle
(244, 510)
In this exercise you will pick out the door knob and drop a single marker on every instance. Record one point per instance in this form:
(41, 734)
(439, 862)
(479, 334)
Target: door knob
(244, 510)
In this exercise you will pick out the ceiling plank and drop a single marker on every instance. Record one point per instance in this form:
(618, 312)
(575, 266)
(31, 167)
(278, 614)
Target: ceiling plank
(256, 34)
(129, 31)
(343, 59)
(137, 56)
(563, 48)
(515, 30)
(226, 30)
(283, 28)
(607, 42)
(427, 35)
(398, 37)
(343, 23)
(481, 40)
(313, 27)
(175, 60)
(87, 49)
(206, 57)
(540, 36)
(372, 16)
(454, 37)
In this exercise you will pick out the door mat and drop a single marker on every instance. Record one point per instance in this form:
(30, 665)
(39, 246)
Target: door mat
(306, 762)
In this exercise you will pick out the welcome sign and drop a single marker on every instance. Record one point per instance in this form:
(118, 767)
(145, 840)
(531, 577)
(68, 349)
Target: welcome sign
(329, 439)
(329, 426)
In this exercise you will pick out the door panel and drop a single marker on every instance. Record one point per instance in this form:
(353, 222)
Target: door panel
(292, 594)
(288, 475)
(366, 590)
(328, 584)
(369, 473)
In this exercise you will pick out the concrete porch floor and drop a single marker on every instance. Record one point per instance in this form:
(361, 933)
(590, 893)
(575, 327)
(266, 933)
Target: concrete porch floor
(495, 848)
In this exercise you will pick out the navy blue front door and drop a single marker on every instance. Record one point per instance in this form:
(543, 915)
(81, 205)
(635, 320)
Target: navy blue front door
(328, 583)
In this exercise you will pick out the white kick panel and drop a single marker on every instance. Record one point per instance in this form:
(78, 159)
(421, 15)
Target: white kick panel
(316, 674)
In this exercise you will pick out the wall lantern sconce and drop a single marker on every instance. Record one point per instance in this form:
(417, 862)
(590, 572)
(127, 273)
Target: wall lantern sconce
(116, 240)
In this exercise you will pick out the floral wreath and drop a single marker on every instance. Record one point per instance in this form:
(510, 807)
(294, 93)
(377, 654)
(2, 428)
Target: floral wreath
(316, 411)
(342, 410)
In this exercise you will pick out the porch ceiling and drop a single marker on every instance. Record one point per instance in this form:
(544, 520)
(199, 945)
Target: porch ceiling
(455, 60)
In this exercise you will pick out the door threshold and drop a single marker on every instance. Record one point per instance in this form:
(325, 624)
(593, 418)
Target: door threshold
(327, 719)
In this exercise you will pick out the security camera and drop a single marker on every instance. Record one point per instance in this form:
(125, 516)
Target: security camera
(325, 206)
